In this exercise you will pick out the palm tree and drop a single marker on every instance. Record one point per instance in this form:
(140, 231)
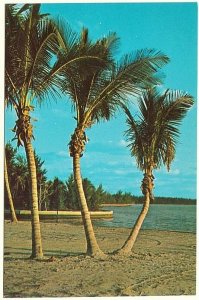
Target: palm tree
(41, 178)
(96, 92)
(10, 153)
(71, 201)
(21, 184)
(32, 42)
(27, 42)
(32, 72)
(152, 138)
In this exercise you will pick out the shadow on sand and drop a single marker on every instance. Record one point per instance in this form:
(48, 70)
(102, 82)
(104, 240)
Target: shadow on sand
(10, 251)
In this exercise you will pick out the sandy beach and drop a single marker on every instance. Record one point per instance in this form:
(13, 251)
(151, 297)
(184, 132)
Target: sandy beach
(162, 263)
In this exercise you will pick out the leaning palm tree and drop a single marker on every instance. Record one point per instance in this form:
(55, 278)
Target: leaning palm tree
(32, 43)
(29, 39)
(32, 72)
(96, 92)
(152, 137)
(9, 154)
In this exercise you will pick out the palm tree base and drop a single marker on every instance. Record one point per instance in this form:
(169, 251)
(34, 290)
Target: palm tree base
(14, 221)
(37, 257)
(99, 254)
(122, 252)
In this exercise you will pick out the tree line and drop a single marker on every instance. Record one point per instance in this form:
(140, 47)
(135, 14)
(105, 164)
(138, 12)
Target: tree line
(45, 59)
(57, 194)
(52, 194)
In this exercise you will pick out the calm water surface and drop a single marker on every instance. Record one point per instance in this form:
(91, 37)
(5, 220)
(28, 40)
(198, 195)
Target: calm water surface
(160, 217)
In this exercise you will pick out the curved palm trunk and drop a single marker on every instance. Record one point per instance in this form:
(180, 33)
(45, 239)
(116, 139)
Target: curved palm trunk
(147, 186)
(128, 245)
(12, 210)
(92, 246)
(36, 233)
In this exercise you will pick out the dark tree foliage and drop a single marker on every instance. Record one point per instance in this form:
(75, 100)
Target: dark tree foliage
(71, 201)
(59, 195)
(128, 198)
(19, 177)
(94, 195)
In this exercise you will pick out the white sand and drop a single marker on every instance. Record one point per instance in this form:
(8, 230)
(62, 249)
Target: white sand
(162, 263)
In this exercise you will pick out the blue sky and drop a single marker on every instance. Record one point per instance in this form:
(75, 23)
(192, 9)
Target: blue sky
(169, 27)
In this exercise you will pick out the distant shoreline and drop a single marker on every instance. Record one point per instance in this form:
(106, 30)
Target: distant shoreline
(192, 202)
(117, 204)
(26, 214)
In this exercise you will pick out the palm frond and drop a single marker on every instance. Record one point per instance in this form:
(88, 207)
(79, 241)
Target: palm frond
(134, 137)
(176, 105)
(109, 44)
(158, 126)
(67, 38)
(77, 63)
(126, 78)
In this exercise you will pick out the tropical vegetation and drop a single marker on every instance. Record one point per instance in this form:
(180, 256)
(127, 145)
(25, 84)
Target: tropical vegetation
(45, 59)
(7, 185)
(57, 194)
(37, 54)
(96, 93)
(29, 40)
(152, 137)
(53, 194)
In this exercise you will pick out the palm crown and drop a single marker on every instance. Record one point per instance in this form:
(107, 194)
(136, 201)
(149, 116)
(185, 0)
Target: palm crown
(153, 133)
(27, 66)
(97, 92)
(34, 70)
(97, 89)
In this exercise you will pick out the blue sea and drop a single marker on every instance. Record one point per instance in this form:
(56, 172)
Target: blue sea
(160, 217)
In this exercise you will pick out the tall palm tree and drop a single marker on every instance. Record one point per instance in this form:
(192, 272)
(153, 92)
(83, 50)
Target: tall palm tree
(21, 185)
(96, 93)
(29, 39)
(10, 153)
(32, 72)
(152, 138)
(32, 42)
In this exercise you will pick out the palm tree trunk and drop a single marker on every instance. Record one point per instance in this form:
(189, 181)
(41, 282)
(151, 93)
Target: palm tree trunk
(128, 245)
(12, 210)
(147, 187)
(36, 233)
(92, 246)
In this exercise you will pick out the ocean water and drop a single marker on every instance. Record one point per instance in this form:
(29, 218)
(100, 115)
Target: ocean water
(160, 217)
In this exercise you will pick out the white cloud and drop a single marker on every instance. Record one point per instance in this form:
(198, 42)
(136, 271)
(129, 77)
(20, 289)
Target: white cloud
(121, 172)
(63, 153)
(123, 143)
(125, 170)
(171, 172)
(80, 24)
(175, 172)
